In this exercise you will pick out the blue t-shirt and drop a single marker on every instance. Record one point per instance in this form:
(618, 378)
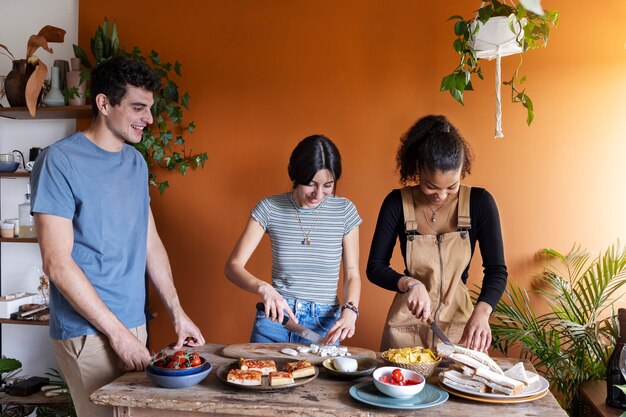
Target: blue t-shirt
(105, 194)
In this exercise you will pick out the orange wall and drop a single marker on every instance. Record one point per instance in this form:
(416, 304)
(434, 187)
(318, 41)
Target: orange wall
(263, 75)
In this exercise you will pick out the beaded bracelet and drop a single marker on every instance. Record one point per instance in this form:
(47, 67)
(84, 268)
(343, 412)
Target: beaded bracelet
(350, 306)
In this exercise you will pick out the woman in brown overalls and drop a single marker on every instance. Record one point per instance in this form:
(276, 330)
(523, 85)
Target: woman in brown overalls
(437, 222)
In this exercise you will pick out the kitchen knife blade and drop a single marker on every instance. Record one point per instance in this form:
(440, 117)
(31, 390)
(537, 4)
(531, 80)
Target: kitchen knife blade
(438, 332)
(296, 328)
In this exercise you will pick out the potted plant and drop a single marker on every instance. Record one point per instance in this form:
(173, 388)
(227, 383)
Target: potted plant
(572, 342)
(523, 30)
(24, 82)
(163, 143)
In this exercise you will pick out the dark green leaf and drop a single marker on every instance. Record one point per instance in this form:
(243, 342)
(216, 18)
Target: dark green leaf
(177, 66)
(79, 53)
(191, 127)
(163, 186)
(9, 365)
(170, 91)
(460, 27)
(185, 100)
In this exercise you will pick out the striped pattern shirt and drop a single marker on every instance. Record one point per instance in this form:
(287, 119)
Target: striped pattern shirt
(300, 271)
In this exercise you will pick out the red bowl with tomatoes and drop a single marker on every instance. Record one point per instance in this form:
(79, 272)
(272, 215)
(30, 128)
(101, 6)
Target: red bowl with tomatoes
(178, 363)
(398, 382)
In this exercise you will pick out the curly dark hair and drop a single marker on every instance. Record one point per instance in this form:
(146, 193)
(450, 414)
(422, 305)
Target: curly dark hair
(311, 155)
(432, 143)
(112, 76)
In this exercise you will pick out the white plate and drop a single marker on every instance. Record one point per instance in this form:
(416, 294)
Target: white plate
(533, 389)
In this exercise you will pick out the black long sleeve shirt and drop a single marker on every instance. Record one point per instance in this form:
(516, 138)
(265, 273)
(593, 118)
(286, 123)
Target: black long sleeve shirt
(485, 229)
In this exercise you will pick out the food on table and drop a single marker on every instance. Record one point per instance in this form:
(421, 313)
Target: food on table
(328, 350)
(469, 357)
(263, 366)
(397, 378)
(241, 377)
(301, 369)
(280, 378)
(345, 364)
(457, 380)
(178, 360)
(478, 368)
(410, 355)
(303, 349)
(289, 351)
(518, 372)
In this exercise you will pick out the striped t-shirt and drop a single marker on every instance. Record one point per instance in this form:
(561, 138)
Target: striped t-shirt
(301, 271)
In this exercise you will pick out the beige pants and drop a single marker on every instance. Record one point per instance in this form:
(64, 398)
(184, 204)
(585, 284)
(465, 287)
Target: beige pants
(88, 363)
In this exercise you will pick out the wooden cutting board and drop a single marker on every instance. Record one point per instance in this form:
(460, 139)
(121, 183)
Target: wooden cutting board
(259, 350)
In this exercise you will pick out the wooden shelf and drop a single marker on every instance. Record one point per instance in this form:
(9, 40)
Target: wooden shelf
(59, 112)
(25, 322)
(14, 174)
(18, 240)
(37, 398)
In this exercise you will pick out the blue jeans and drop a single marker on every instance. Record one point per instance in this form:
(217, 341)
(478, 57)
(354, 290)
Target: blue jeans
(317, 317)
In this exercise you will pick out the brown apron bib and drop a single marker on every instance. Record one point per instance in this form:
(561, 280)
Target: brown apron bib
(438, 262)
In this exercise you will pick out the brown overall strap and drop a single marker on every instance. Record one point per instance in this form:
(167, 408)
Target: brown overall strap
(464, 221)
(408, 207)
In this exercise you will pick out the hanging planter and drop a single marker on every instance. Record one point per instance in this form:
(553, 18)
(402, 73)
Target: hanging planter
(496, 31)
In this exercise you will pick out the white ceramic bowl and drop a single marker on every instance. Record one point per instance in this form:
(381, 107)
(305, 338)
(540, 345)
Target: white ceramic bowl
(398, 391)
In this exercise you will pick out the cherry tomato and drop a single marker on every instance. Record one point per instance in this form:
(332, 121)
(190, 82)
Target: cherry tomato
(384, 379)
(194, 359)
(397, 376)
(411, 382)
(178, 354)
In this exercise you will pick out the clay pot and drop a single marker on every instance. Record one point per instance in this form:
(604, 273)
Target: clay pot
(15, 83)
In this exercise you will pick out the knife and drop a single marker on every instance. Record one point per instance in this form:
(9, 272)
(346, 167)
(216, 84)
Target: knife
(438, 332)
(296, 328)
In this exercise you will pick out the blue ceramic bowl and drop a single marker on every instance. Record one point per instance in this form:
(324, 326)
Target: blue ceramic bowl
(177, 372)
(182, 381)
(8, 166)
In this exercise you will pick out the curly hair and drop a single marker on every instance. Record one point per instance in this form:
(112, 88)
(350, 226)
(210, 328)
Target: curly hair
(112, 77)
(432, 143)
(311, 155)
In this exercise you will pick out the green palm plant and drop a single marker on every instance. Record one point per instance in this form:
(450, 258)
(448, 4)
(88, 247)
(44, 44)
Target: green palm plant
(572, 342)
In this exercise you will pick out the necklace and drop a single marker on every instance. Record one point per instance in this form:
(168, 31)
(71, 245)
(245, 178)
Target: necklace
(437, 231)
(306, 236)
(433, 218)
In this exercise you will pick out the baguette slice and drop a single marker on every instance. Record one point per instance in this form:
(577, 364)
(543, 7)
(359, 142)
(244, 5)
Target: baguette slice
(499, 382)
(518, 372)
(457, 380)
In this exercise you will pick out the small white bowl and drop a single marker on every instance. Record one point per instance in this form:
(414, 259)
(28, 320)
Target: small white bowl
(398, 391)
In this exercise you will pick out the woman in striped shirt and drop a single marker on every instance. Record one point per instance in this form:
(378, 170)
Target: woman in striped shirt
(311, 232)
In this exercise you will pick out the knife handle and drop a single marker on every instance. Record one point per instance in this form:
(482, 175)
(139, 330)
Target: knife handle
(261, 307)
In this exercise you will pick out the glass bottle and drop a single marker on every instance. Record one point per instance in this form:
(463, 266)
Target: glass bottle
(27, 222)
(614, 396)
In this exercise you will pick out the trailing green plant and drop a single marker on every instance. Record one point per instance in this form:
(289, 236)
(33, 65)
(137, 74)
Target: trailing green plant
(534, 31)
(164, 142)
(572, 342)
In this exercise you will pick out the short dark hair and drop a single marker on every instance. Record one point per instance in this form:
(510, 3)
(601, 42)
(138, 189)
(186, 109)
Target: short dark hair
(311, 155)
(432, 143)
(112, 77)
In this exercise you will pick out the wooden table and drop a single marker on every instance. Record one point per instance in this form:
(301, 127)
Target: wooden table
(134, 395)
(594, 395)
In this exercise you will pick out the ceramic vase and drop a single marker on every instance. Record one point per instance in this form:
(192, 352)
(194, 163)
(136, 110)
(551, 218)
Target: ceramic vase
(54, 96)
(73, 80)
(64, 67)
(15, 83)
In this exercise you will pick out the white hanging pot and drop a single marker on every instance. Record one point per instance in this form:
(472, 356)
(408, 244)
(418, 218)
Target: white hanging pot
(500, 35)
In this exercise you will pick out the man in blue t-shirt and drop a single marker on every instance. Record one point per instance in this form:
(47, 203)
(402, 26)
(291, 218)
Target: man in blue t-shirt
(98, 238)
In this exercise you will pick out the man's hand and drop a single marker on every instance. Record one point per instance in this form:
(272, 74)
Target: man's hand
(187, 332)
(131, 351)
